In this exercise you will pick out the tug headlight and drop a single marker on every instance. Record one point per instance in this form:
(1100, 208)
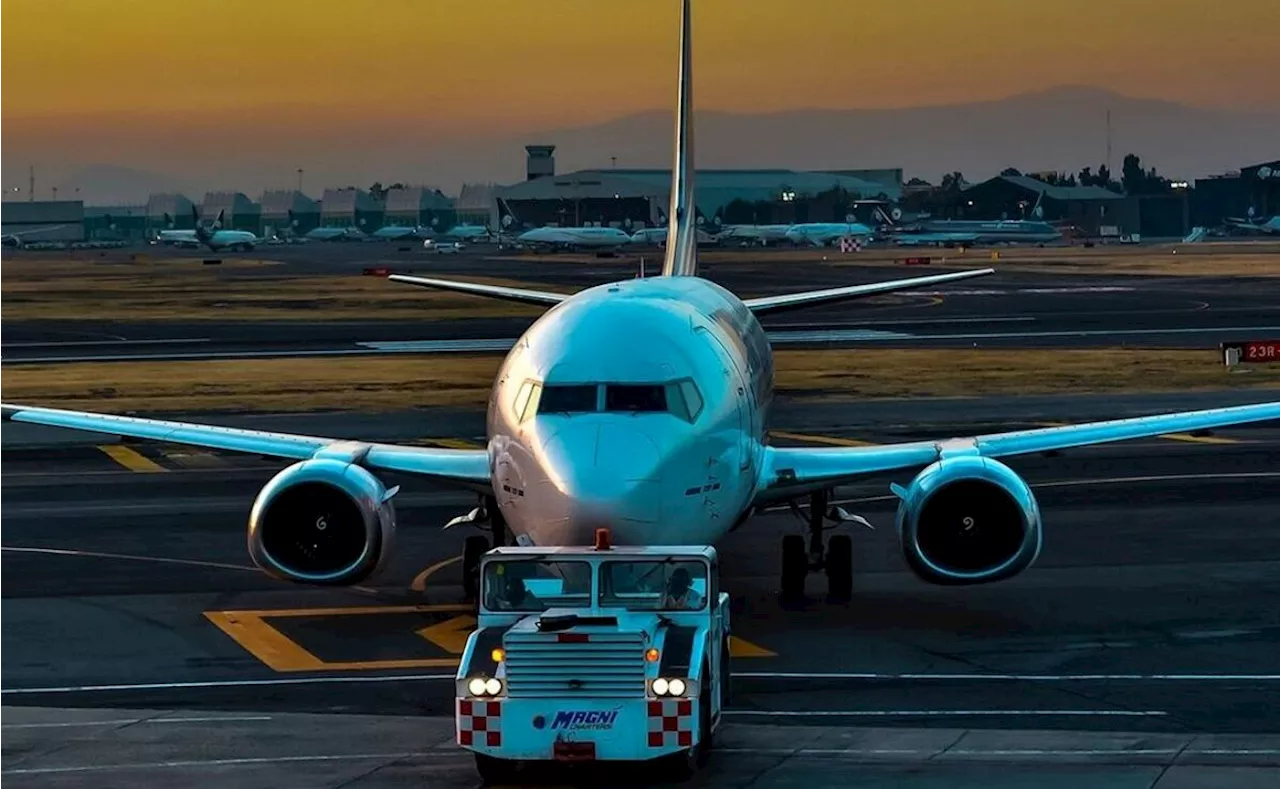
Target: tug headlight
(669, 686)
(484, 686)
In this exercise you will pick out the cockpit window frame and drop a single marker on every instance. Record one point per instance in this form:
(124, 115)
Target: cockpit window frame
(683, 398)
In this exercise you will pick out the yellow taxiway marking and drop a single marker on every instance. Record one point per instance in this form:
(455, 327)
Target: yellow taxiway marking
(740, 648)
(131, 459)
(420, 580)
(1169, 436)
(833, 440)
(451, 634)
(280, 653)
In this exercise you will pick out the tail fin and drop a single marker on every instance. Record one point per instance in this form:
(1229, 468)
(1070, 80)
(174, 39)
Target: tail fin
(682, 241)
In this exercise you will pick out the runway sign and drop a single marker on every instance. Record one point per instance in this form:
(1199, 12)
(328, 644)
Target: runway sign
(1250, 352)
(380, 271)
(918, 261)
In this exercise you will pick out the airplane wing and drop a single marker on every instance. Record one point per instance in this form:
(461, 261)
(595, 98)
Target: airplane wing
(467, 468)
(811, 298)
(541, 297)
(792, 471)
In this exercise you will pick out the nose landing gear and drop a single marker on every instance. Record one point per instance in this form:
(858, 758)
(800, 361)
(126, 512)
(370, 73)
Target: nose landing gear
(485, 516)
(799, 559)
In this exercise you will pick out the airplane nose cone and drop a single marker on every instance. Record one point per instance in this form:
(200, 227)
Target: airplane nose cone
(603, 475)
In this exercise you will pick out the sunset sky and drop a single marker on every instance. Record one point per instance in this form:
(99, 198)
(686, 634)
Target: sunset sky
(497, 67)
(525, 55)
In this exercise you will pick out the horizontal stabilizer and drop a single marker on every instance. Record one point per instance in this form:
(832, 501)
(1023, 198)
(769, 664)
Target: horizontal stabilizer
(542, 297)
(812, 298)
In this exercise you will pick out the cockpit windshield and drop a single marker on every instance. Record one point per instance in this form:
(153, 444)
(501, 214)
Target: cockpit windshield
(679, 398)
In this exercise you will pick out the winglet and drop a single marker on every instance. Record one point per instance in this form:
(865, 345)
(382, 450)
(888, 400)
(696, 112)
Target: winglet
(682, 239)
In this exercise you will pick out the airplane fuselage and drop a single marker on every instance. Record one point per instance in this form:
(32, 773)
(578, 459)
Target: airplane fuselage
(639, 406)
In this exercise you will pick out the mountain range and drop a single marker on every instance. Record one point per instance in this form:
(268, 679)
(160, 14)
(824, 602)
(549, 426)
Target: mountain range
(116, 159)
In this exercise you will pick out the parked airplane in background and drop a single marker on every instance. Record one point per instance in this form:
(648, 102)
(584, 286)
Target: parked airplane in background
(641, 406)
(214, 237)
(349, 233)
(19, 238)
(402, 233)
(574, 238)
(821, 234)
(657, 237)
(1270, 227)
(762, 235)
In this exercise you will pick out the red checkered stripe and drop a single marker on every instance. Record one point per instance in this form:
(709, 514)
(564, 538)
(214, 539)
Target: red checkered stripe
(477, 719)
(671, 723)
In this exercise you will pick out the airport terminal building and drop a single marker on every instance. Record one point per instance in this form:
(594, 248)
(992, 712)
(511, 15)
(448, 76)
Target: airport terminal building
(636, 198)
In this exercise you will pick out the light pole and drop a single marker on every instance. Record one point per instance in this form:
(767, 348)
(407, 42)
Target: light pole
(299, 180)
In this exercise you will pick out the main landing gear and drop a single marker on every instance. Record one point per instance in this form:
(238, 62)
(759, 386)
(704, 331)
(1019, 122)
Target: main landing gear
(487, 515)
(799, 558)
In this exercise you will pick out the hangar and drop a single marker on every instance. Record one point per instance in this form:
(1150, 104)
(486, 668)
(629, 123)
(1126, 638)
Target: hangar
(288, 210)
(238, 211)
(1088, 208)
(177, 207)
(43, 221)
(350, 207)
(418, 206)
(1253, 191)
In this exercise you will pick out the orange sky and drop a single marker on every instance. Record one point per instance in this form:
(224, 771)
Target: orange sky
(538, 63)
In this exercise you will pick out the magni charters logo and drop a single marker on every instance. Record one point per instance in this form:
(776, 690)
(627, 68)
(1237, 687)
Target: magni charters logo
(580, 720)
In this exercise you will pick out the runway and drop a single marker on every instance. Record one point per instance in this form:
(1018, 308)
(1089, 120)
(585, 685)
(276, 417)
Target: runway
(1157, 599)
(1008, 310)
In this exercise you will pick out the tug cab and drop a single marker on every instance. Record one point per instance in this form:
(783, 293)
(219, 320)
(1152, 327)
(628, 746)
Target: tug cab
(594, 653)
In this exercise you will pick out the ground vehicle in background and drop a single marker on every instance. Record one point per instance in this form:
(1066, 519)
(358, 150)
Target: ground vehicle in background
(586, 654)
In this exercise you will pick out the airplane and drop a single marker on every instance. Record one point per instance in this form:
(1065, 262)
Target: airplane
(560, 238)
(1250, 225)
(401, 233)
(16, 238)
(215, 238)
(754, 234)
(348, 233)
(657, 237)
(641, 406)
(821, 234)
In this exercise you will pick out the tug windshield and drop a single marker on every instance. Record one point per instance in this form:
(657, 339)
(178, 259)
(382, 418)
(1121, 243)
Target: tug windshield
(531, 585)
(661, 585)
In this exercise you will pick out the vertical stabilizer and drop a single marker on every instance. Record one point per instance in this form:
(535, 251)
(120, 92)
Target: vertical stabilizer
(682, 240)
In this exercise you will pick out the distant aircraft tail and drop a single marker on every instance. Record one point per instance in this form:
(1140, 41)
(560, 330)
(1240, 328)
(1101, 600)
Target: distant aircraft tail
(682, 240)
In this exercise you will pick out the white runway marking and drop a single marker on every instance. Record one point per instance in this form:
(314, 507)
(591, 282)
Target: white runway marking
(797, 675)
(205, 763)
(946, 677)
(938, 713)
(132, 721)
(88, 343)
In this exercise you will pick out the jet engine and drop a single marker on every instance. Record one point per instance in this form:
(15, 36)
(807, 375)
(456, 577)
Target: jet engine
(968, 520)
(322, 521)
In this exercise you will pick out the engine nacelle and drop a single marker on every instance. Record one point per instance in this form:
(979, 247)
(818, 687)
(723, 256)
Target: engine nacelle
(968, 520)
(322, 521)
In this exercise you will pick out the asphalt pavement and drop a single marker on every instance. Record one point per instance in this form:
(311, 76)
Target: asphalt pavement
(1009, 309)
(1151, 622)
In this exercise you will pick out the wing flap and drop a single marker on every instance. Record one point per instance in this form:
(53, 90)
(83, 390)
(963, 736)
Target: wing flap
(812, 298)
(792, 471)
(521, 295)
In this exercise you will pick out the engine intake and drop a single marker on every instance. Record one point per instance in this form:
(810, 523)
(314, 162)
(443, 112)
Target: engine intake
(968, 520)
(322, 521)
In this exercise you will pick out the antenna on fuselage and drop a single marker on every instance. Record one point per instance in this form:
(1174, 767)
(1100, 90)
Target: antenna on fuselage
(682, 246)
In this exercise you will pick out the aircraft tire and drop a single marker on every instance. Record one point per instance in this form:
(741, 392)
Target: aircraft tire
(795, 565)
(839, 569)
(472, 550)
